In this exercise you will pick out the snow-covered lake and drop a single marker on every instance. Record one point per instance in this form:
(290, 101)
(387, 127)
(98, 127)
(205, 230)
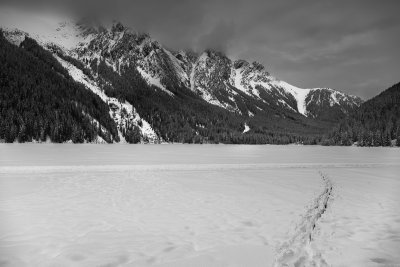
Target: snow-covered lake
(198, 205)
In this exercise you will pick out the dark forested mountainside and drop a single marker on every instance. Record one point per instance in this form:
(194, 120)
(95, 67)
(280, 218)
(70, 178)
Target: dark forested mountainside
(375, 123)
(320, 106)
(74, 81)
(186, 118)
(40, 101)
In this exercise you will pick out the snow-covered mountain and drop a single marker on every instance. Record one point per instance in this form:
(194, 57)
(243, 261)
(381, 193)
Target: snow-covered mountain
(243, 88)
(219, 80)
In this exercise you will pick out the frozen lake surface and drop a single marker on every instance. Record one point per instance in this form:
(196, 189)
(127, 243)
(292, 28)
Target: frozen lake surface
(198, 205)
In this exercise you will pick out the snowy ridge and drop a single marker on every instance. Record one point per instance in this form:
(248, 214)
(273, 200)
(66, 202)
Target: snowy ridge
(337, 97)
(251, 80)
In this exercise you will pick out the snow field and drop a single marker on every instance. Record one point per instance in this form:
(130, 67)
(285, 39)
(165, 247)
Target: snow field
(144, 218)
(181, 205)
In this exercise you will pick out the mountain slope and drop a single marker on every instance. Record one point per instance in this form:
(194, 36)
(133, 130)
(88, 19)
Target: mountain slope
(217, 79)
(162, 95)
(39, 100)
(375, 123)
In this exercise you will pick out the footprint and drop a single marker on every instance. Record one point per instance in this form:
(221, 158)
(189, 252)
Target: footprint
(380, 260)
(168, 249)
(76, 257)
(248, 223)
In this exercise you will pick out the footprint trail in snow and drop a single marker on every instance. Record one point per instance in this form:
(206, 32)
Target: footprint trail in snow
(299, 250)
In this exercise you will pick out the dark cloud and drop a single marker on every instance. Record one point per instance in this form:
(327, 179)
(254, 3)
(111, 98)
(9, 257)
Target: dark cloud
(350, 45)
(218, 38)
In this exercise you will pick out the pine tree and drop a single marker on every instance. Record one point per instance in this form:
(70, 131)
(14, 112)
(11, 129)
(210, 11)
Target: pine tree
(387, 140)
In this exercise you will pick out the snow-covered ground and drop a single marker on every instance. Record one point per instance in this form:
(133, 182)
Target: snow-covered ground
(208, 205)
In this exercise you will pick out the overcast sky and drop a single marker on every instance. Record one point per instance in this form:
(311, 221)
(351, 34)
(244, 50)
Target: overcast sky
(349, 45)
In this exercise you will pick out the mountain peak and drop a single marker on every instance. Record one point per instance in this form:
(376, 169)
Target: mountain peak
(215, 53)
(117, 26)
(240, 63)
(257, 66)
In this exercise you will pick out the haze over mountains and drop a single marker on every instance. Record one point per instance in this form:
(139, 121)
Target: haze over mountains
(155, 94)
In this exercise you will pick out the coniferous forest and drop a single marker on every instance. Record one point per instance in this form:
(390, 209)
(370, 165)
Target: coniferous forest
(375, 123)
(40, 101)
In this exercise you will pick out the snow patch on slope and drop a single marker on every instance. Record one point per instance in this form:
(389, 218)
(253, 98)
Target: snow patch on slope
(286, 105)
(210, 98)
(298, 93)
(153, 81)
(246, 128)
(123, 113)
(238, 81)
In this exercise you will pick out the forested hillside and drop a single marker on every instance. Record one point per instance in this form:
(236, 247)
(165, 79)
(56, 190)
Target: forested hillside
(375, 123)
(40, 101)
